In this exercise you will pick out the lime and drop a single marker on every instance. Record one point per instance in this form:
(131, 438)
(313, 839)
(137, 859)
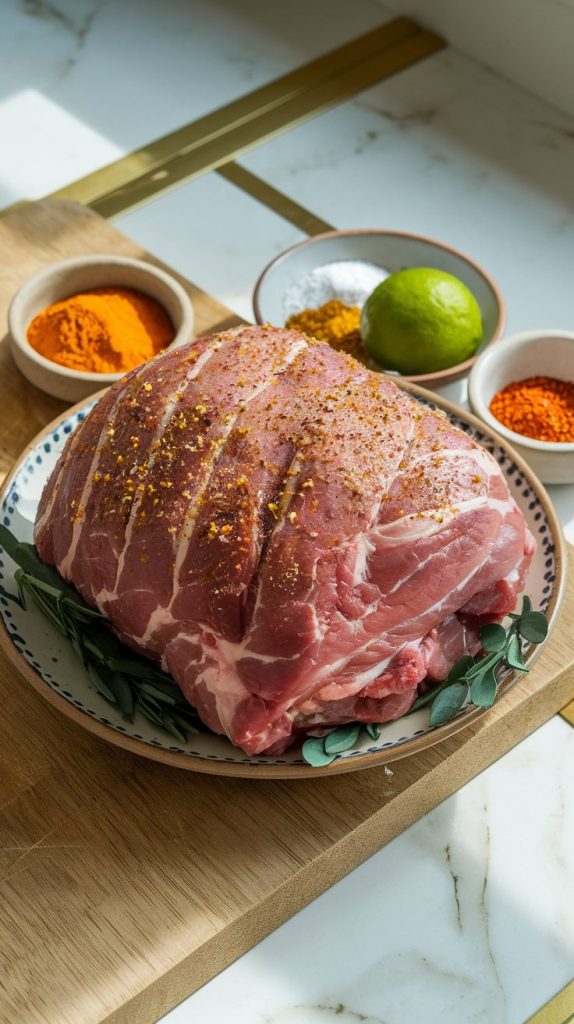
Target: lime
(420, 320)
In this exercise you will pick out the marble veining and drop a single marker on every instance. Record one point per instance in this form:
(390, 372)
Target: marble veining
(321, 1014)
(76, 24)
(454, 877)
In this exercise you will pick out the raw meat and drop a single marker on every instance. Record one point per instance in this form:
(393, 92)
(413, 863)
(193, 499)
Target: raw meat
(298, 541)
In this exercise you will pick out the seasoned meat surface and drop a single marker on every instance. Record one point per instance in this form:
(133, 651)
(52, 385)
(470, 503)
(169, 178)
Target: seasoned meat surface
(298, 541)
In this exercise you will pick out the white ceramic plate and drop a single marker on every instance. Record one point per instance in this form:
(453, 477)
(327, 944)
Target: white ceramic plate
(48, 662)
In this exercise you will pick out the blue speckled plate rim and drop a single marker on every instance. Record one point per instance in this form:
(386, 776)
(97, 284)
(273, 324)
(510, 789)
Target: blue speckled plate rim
(239, 766)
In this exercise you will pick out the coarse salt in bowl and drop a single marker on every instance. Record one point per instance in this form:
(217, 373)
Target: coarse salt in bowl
(350, 281)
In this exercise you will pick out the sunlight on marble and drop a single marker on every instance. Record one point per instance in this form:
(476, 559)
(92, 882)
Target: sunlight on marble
(129, 72)
(53, 138)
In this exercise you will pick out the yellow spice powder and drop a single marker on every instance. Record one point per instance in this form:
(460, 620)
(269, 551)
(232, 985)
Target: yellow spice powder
(333, 322)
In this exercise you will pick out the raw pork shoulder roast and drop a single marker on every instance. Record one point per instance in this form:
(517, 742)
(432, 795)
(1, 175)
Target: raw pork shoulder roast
(299, 542)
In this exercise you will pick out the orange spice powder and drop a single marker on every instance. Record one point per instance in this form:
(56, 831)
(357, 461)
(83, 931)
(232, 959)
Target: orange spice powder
(539, 407)
(106, 330)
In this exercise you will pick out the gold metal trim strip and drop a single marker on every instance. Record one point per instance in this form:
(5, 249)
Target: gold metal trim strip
(559, 1010)
(267, 125)
(236, 114)
(277, 201)
(217, 138)
(568, 713)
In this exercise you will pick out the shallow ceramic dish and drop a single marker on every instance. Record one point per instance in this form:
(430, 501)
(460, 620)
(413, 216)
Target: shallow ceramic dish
(529, 354)
(48, 662)
(81, 273)
(391, 250)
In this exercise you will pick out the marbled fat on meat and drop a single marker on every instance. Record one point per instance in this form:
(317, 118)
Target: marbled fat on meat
(299, 542)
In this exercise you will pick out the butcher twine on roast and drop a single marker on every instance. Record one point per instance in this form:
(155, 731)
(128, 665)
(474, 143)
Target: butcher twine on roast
(298, 541)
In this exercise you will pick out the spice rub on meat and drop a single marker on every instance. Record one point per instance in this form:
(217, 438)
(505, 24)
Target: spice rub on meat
(299, 542)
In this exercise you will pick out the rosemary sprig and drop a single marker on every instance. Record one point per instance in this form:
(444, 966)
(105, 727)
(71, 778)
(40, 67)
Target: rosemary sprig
(471, 681)
(122, 677)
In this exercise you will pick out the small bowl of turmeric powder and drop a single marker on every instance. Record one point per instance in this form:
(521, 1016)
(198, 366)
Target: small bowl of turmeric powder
(523, 388)
(79, 325)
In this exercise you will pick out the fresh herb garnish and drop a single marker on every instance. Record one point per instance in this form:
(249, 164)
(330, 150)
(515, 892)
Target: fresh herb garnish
(475, 680)
(121, 676)
(470, 681)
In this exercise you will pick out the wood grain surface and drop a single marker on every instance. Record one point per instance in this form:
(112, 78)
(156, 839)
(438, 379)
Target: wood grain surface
(126, 884)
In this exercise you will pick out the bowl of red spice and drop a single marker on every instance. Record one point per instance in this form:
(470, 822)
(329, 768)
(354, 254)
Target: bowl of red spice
(81, 324)
(524, 389)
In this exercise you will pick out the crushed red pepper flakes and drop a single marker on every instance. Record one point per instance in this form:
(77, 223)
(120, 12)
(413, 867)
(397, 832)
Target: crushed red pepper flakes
(539, 407)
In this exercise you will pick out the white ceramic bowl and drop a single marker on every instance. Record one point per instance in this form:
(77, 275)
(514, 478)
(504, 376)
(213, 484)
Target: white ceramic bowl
(392, 250)
(546, 353)
(60, 281)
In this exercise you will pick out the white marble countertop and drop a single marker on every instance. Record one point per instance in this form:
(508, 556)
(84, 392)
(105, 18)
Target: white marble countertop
(467, 916)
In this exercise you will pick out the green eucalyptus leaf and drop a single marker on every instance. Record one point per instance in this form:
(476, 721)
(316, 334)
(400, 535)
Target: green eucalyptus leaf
(483, 689)
(526, 605)
(314, 753)
(342, 739)
(533, 627)
(513, 656)
(448, 703)
(460, 668)
(493, 637)
(373, 730)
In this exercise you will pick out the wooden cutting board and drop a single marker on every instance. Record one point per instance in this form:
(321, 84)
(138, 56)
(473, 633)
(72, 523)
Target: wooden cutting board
(125, 885)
